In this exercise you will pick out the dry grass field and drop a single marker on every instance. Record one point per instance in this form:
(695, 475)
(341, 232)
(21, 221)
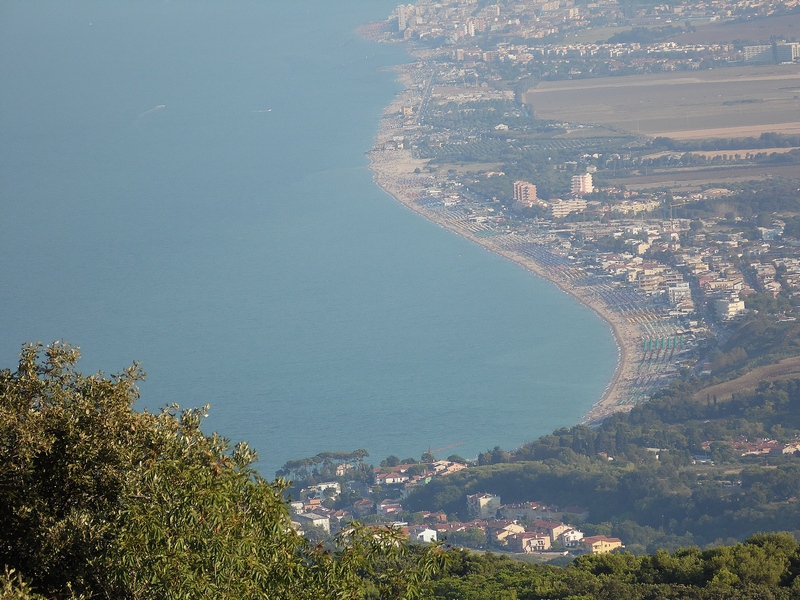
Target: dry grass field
(754, 31)
(734, 102)
(788, 368)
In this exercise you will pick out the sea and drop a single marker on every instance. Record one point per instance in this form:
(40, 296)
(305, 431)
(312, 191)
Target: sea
(185, 184)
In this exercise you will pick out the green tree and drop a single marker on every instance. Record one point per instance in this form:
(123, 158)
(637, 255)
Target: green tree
(102, 501)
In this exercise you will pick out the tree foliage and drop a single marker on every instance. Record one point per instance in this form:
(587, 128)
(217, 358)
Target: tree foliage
(765, 566)
(100, 501)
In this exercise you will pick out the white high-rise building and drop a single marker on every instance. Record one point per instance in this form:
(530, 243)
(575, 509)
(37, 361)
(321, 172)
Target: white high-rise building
(582, 184)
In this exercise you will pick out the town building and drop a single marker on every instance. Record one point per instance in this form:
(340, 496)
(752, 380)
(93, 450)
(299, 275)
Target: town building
(310, 519)
(498, 531)
(728, 308)
(524, 193)
(318, 491)
(363, 507)
(528, 542)
(552, 529)
(600, 544)
(570, 538)
(559, 209)
(484, 506)
(422, 534)
(582, 184)
(389, 507)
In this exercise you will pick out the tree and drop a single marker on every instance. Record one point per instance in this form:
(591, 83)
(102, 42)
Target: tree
(390, 461)
(102, 501)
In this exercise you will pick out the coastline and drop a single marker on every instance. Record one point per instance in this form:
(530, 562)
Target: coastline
(394, 171)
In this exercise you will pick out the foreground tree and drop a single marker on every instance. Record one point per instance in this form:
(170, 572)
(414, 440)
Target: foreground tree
(102, 501)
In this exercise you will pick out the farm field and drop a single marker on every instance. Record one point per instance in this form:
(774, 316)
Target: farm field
(593, 35)
(732, 102)
(753, 31)
(688, 179)
(734, 153)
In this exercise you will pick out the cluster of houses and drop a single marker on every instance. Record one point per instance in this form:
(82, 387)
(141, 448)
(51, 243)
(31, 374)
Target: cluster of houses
(464, 20)
(705, 267)
(532, 526)
(407, 477)
(310, 511)
(745, 447)
(510, 32)
(529, 527)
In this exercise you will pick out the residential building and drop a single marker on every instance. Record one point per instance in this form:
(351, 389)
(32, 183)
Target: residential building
(497, 531)
(524, 193)
(527, 511)
(426, 535)
(389, 507)
(390, 478)
(582, 184)
(678, 292)
(728, 308)
(600, 544)
(570, 538)
(306, 519)
(318, 491)
(484, 506)
(364, 507)
(528, 542)
(561, 208)
(549, 528)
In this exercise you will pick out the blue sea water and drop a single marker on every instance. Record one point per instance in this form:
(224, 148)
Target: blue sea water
(184, 184)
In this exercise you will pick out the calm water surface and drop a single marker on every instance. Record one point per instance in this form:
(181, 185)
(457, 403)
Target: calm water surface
(184, 184)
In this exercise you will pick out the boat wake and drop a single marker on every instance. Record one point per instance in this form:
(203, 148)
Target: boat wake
(152, 110)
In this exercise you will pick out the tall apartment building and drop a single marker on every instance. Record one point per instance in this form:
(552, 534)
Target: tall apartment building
(524, 193)
(402, 17)
(582, 184)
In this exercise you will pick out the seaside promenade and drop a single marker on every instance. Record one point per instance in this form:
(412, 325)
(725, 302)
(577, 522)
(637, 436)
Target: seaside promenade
(642, 367)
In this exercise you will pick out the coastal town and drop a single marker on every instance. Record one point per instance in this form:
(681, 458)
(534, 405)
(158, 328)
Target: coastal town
(333, 489)
(670, 210)
(656, 237)
(528, 528)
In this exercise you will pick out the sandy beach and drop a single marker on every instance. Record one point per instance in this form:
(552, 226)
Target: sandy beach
(407, 180)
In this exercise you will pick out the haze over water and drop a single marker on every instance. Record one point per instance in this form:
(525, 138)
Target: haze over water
(185, 184)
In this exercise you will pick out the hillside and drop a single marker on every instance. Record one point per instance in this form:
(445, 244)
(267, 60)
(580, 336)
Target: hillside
(672, 472)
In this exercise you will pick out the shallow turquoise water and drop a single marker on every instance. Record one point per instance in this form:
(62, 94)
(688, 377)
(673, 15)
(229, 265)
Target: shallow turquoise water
(233, 241)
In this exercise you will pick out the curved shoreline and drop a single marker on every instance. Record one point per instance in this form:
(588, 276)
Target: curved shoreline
(394, 172)
(609, 402)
